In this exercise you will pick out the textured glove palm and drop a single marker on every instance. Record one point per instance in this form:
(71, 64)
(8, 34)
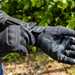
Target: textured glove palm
(57, 42)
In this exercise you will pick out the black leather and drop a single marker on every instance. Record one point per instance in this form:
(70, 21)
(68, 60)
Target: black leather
(57, 42)
(16, 38)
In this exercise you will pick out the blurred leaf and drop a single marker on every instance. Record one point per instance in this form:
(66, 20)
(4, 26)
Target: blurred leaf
(71, 23)
(34, 49)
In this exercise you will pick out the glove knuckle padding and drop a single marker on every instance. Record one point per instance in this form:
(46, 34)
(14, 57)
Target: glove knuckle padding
(58, 30)
(51, 30)
(54, 30)
(63, 31)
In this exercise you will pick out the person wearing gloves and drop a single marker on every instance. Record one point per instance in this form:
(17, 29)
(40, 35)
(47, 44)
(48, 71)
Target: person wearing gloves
(55, 41)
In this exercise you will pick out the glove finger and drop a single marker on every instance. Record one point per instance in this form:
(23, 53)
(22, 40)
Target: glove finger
(70, 53)
(21, 48)
(65, 59)
(72, 41)
(71, 47)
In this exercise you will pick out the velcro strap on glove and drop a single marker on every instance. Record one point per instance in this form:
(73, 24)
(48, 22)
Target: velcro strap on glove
(11, 36)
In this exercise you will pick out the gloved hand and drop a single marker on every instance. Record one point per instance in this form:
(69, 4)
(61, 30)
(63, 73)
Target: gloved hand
(15, 37)
(57, 42)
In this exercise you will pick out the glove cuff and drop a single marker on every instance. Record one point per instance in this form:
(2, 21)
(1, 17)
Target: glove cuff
(36, 31)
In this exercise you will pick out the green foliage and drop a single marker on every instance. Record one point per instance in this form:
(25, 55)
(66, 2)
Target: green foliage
(44, 12)
(71, 23)
(13, 57)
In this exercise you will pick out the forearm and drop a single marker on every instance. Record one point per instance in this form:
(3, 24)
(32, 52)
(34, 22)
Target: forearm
(6, 20)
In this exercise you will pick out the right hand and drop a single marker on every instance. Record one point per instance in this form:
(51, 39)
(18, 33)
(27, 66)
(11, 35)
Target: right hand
(57, 43)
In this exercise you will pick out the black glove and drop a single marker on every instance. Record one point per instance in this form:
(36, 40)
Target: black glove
(57, 42)
(15, 37)
(6, 20)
